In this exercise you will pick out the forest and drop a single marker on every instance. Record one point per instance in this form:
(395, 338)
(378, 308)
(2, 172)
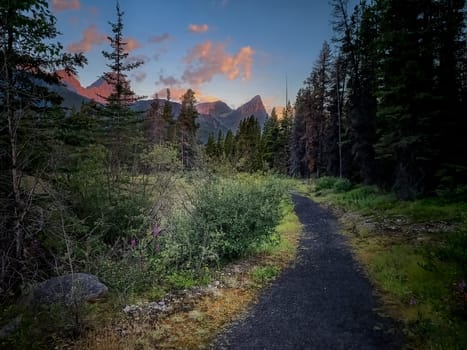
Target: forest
(136, 199)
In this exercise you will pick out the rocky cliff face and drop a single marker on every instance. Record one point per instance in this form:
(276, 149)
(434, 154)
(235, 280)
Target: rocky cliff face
(213, 108)
(96, 91)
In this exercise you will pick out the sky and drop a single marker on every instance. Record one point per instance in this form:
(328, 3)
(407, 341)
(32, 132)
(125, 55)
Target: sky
(229, 50)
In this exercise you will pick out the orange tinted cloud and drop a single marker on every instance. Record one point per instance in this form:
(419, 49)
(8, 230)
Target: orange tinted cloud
(176, 94)
(61, 5)
(131, 44)
(209, 59)
(198, 28)
(91, 37)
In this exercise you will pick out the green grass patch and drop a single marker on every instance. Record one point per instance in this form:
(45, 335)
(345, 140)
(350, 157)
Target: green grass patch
(263, 274)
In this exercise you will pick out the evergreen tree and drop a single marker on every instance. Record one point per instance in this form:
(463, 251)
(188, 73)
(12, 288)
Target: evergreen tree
(281, 160)
(154, 124)
(167, 116)
(220, 145)
(210, 148)
(230, 146)
(270, 140)
(29, 56)
(357, 34)
(119, 119)
(187, 127)
(298, 163)
(248, 145)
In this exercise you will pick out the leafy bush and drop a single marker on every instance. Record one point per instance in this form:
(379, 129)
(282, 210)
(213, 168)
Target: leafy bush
(241, 213)
(342, 185)
(228, 218)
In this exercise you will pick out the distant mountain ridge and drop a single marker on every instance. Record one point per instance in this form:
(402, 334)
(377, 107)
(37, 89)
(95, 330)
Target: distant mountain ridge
(213, 116)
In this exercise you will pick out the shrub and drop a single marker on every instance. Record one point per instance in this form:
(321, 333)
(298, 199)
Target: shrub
(342, 185)
(228, 218)
(241, 213)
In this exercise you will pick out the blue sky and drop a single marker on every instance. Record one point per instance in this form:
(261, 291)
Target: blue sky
(230, 50)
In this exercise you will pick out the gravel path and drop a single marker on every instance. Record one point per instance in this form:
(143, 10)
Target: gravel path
(322, 302)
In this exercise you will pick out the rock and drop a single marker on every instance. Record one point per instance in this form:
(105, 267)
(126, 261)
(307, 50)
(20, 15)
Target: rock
(69, 289)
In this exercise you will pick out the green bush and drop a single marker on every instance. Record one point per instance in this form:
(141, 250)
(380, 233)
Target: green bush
(342, 185)
(240, 213)
(229, 217)
(325, 183)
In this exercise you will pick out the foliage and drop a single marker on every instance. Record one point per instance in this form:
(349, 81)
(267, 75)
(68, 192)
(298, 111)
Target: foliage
(229, 217)
(30, 57)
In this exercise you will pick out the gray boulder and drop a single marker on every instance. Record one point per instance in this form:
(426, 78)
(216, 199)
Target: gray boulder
(71, 289)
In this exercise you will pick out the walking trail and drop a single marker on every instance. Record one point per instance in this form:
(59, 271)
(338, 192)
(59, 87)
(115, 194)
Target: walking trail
(323, 301)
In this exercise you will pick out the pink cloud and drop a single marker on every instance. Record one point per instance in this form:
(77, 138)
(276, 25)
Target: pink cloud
(177, 92)
(157, 39)
(62, 5)
(198, 28)
(209, 59)
(91, 37)
(131, 44)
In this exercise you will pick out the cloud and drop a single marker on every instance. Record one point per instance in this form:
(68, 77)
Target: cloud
(198, 28)
(91, 37)
(62, 5)
(177, 92)
(209, 59)
(168, 81)
(139, 76)
(131, 44)
(157, 39)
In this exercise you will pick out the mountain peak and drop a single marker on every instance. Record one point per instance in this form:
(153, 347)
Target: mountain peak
(97, 91)
(213, 108)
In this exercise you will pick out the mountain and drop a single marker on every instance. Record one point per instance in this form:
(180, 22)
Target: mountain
(213, 116)
(96, 91)
(253, 107)
(213, 108)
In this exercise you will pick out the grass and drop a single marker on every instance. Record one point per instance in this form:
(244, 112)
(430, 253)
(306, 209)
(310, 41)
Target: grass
(415, 271)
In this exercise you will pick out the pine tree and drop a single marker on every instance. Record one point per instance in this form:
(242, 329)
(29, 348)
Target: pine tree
(357, 34)
(210, 147)
(220, 145)
(154, 125)
(282, 156)
(119, 119)
(230, 146)
(248, 145)
(187, 127)
(270, 140)
(298, 163)
(167, 116)
(28, 57)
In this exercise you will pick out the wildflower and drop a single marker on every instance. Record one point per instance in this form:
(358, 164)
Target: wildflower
(133, 242)
(156, 230)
